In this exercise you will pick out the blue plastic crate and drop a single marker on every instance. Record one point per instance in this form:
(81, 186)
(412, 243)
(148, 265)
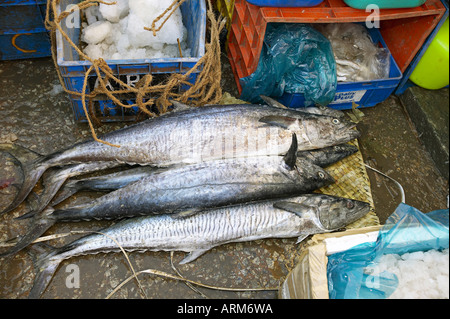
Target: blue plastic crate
(285, 3)
(22, 30)
(24, 44)
(363, 93)
(105, 110)
(73, 69)
(22, 14)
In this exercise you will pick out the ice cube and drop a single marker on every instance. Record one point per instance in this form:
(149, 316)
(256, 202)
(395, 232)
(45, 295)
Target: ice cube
(96, 32)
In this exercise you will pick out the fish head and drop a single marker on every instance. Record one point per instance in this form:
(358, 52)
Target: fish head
(328, 130)
(337, 212)
(306, 173)
(314, 131)
(302, 171)
(344, 150)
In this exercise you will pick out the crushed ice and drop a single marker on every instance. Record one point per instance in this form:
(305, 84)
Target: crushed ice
(116, 32)
(421, 275)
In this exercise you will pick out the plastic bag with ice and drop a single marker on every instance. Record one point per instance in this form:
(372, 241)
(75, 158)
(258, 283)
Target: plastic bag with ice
(367, 271)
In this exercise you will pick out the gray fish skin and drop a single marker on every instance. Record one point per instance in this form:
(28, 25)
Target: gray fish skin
(195, 135)
(306, 215)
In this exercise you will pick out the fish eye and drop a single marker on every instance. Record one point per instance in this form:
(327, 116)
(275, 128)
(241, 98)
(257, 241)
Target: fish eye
(350, 205)
(321, 175)
(336, 121)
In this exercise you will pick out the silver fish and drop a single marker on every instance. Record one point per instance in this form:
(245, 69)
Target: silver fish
(110, 182)
(294, 217)
(199, 134)
(190, 189)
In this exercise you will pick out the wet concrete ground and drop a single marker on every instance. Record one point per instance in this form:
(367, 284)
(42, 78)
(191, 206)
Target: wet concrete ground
(36, 114)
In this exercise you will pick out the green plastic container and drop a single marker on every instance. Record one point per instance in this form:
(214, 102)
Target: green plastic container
(384, 4)
(432, 71)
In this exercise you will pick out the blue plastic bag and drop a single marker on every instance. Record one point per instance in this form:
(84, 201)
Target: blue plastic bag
(407, 230)
(295, 58)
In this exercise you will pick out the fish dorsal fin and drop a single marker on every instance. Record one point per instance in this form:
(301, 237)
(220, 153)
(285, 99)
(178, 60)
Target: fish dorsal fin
(183, 213)
(292, 207)
(273, 102)
(178, 106)
(290, 159)
(277, 120)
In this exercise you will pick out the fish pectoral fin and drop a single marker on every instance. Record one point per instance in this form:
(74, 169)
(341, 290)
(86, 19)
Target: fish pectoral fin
(292, 207)
(301, 238)
(282, 121)
(193, 255)
(183, 213)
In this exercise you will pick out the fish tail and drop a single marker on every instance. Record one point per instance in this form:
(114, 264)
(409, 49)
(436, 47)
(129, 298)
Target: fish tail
(31, 170)
(41, 222)
(70, 188)
(45, 265)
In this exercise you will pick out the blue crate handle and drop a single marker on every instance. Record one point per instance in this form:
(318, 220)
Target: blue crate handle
(39, 10)
(42, 18)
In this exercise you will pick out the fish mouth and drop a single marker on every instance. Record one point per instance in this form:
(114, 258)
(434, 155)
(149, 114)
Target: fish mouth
(347, 124)
(351, 125)
(349, 131)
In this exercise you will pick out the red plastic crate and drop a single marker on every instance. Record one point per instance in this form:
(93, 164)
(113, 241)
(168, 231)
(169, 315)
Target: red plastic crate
(404, 30)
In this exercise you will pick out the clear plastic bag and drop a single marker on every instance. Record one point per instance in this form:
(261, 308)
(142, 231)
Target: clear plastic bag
(295, 58)
(357, 57)
(406, 231)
